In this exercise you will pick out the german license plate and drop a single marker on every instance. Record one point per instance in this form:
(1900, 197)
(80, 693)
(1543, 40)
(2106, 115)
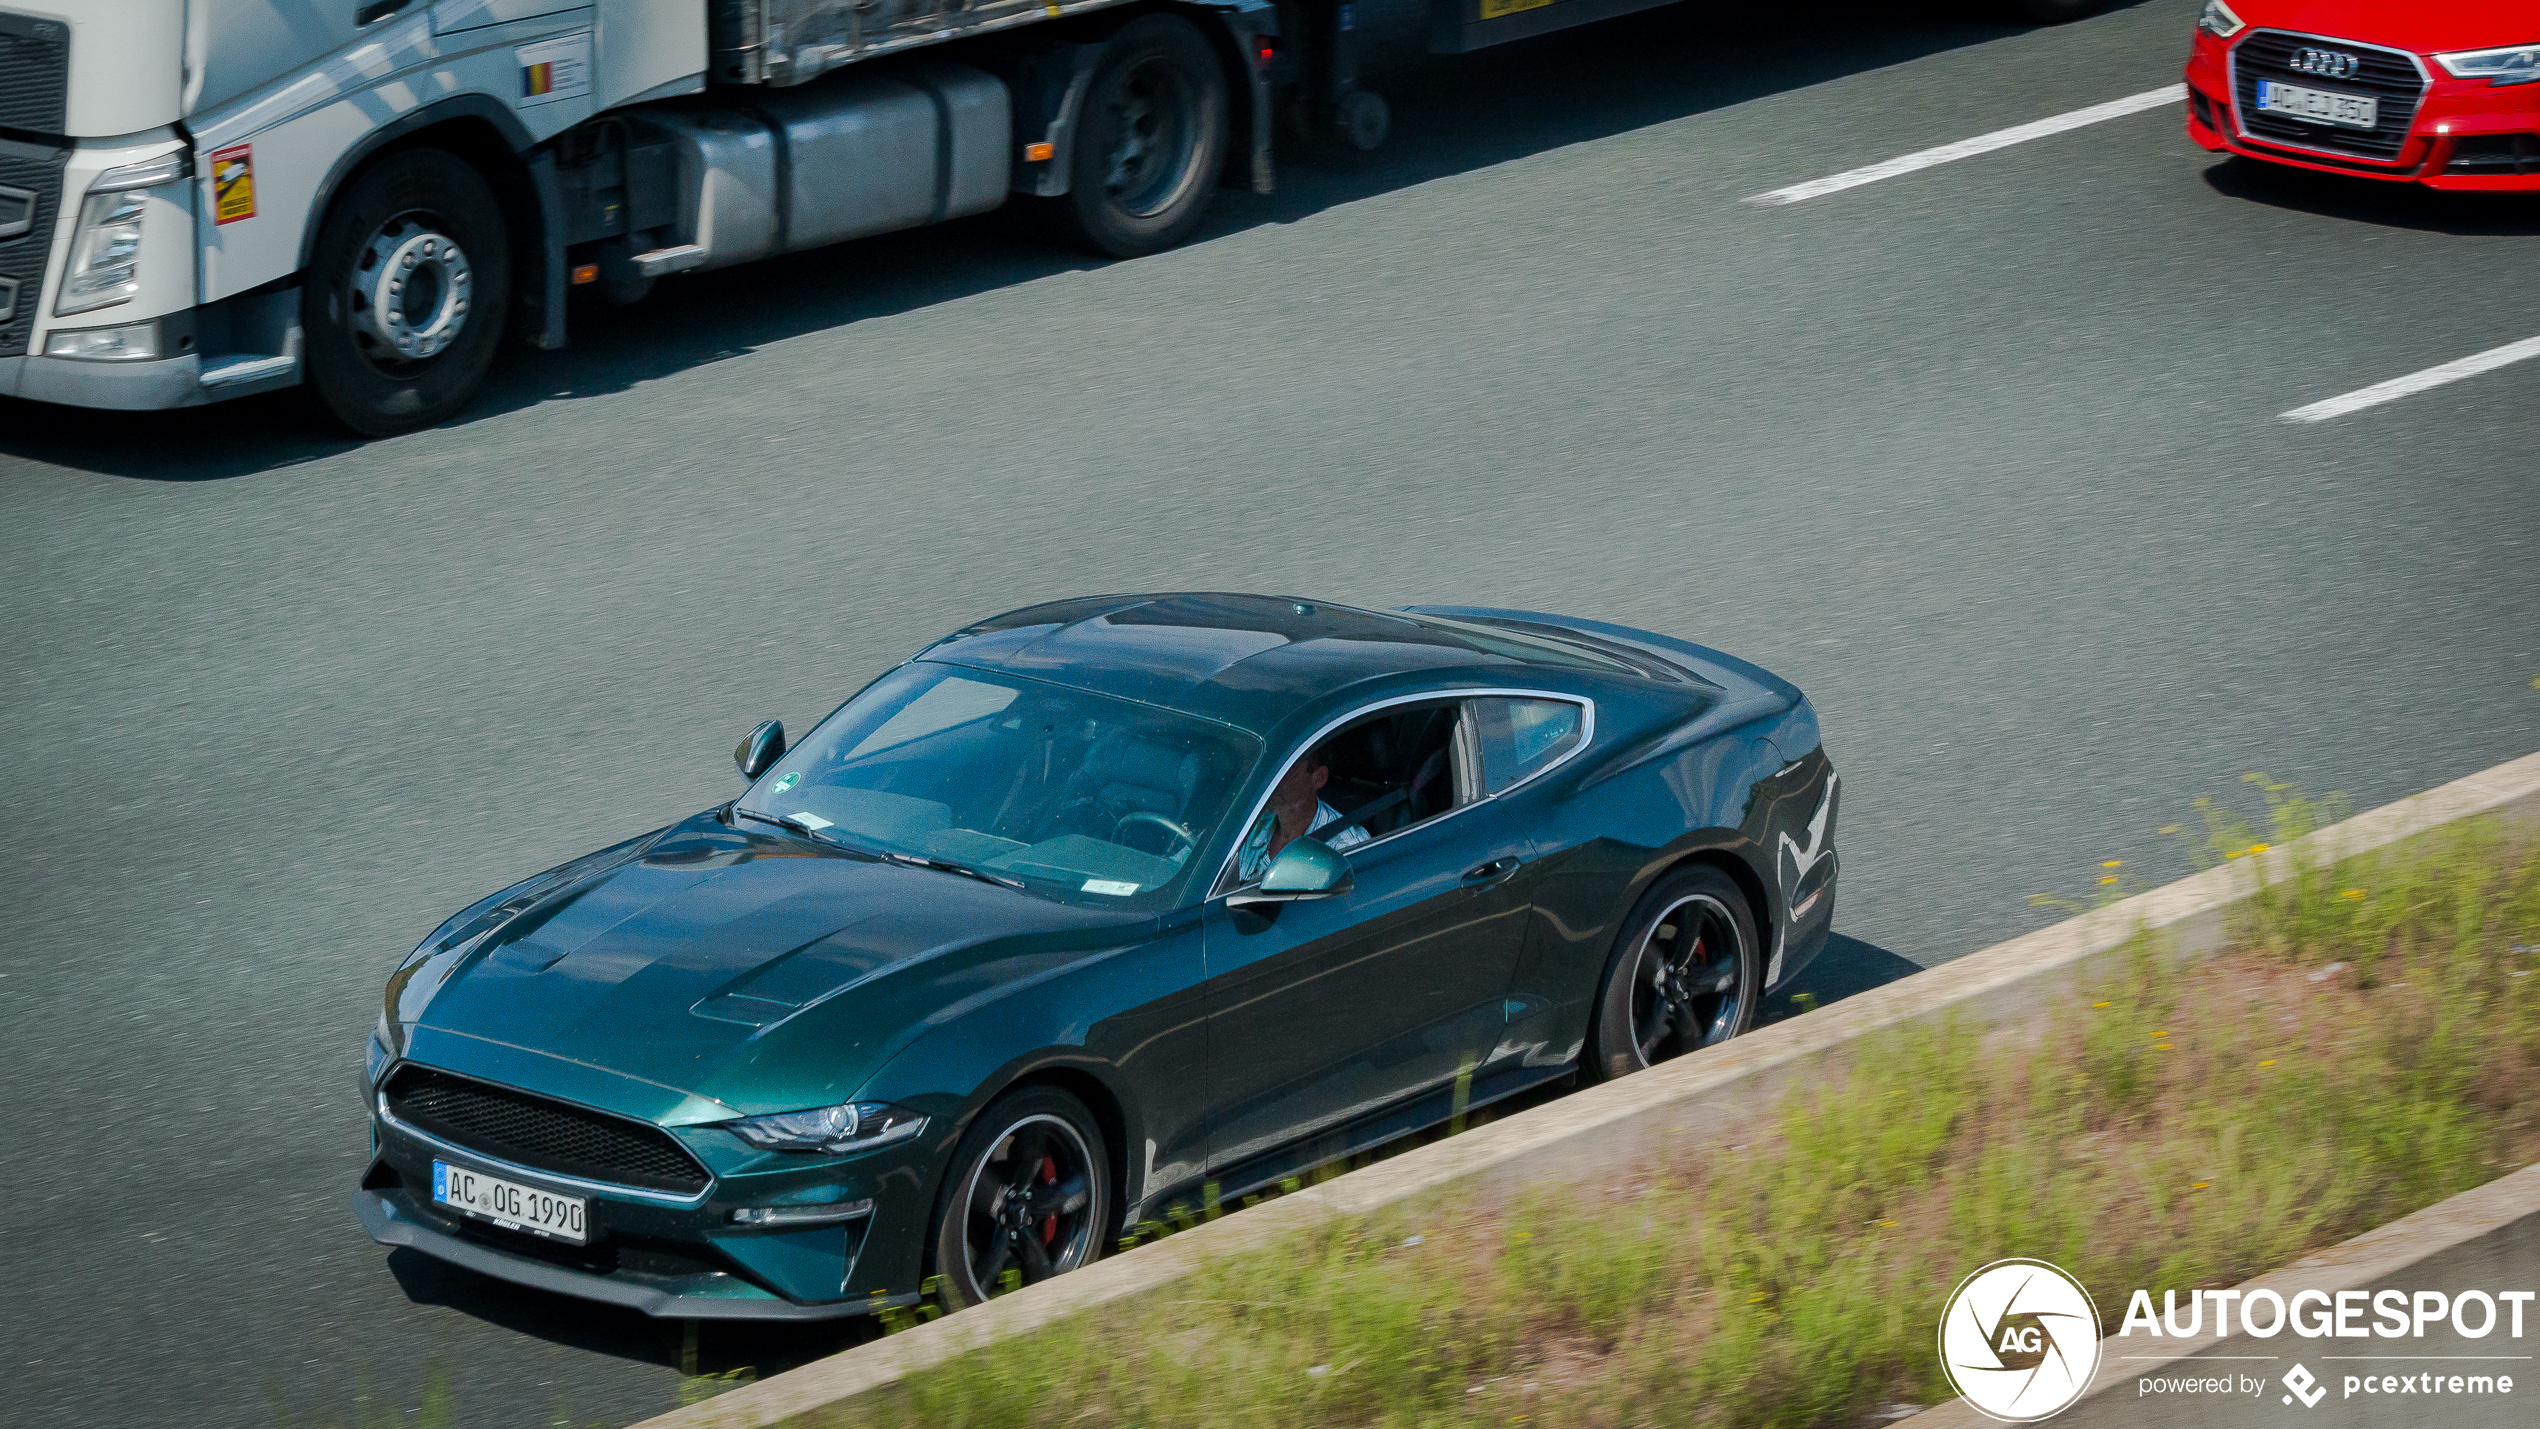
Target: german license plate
(2320, 106)
(513, 1207)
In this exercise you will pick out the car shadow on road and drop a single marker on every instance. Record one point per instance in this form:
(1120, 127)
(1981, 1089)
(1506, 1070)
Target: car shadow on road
(1452, 114)
(719, 1349)
(1846, 967)
(2379, 203)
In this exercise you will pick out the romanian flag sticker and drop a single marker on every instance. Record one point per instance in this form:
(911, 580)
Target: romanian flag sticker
(555, 69)
(233, 183)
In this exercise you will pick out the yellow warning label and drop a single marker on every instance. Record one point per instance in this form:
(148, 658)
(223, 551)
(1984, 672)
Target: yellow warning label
(1495, 9)
(233, 183)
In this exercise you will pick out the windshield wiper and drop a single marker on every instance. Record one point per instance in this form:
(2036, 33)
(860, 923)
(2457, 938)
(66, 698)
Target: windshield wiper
(945, 865)
(792, 824)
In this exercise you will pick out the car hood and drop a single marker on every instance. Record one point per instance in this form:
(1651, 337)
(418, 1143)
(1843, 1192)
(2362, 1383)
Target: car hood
(2425, 29)
(755, 972)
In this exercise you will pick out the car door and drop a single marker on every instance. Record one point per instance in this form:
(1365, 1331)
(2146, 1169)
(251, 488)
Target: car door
(1322, 1010)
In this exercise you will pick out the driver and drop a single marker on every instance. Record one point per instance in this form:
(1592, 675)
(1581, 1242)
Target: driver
(1296, 806)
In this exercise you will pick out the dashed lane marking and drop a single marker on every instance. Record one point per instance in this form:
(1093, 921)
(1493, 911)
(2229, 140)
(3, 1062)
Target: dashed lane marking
(1969, 148)
(2415, 382)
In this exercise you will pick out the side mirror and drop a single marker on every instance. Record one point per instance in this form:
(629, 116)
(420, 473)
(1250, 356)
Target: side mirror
(1304, 868)
(764, 746)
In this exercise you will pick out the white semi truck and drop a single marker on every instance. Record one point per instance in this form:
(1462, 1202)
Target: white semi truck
(201, 199)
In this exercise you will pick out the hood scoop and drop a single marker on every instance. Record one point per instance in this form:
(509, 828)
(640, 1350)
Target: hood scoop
(782, 986)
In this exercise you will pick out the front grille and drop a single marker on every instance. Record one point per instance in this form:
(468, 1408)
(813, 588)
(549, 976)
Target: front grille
(539, 1132)
(35, 74)
(2495, 154)
(2387, 75)
(30, 193)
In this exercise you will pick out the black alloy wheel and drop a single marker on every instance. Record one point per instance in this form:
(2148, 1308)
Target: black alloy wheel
(1150, 140)
(406, 293)
(1028, 1197)
(1684, 974)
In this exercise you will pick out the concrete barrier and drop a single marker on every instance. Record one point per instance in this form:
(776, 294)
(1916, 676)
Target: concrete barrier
(1710, 1095)
(2486, 1238)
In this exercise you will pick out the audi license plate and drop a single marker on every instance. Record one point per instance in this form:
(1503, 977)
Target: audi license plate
(2320, 106)
(514, 1208)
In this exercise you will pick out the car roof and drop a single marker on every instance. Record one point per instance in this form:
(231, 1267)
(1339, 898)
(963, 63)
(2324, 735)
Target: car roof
(1252, 661)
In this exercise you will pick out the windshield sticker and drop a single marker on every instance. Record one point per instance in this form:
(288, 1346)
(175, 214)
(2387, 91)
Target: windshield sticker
(789, 781)
(813, 822)
(1112, 886)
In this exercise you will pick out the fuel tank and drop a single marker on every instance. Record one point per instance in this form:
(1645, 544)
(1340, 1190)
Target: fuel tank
(858, 153)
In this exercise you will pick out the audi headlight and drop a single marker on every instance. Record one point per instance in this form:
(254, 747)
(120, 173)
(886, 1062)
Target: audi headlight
(834, 1130)
(2514, 64)
(2218, 21)
(105, 264)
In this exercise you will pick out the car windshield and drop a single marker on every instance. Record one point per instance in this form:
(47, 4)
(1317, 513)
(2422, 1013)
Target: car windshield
(1075, 795)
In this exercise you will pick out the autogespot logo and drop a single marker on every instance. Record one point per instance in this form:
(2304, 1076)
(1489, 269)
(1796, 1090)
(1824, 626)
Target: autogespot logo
(2019, 1340)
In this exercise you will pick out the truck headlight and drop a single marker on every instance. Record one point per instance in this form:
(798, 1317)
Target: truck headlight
(2514, 64)
(857, 1126)
(106, 247)
(2218, 21)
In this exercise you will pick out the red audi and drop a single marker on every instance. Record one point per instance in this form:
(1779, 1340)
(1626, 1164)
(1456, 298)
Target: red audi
(2446, 94)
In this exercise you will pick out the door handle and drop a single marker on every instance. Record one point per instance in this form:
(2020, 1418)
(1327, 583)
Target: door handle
(1495, 871)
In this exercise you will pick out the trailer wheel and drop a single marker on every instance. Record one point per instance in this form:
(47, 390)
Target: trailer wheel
(406, 293)
(1149, 141)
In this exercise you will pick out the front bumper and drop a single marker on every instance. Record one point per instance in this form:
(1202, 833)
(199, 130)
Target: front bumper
(669, 1255)
(393, 1219)
(2465, 134)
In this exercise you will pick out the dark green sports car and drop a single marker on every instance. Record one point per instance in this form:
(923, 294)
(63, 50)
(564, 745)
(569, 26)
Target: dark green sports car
(1081, 911)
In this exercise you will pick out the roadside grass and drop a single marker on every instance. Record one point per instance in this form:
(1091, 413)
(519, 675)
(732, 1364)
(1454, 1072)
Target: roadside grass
(2367, 1045)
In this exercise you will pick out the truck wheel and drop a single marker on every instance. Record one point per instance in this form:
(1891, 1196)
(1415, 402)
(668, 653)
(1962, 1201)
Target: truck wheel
(1149, 142)
(406, 294)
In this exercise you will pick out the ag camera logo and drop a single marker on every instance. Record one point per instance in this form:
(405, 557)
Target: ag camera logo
(2019, 1340)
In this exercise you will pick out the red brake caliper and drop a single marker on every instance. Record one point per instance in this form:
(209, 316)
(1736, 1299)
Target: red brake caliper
(1049, 1223)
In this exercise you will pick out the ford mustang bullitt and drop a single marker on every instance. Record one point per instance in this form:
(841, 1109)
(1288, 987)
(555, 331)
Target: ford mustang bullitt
(1077, 912)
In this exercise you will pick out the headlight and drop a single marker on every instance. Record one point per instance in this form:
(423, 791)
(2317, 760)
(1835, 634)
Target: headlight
(2515, 64)
(2218, 21)
(105, 264)
(857, 1126)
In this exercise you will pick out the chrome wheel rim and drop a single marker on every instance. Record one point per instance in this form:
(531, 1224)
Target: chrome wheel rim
(412, 288)
(1685, 980)
(1028, 1211)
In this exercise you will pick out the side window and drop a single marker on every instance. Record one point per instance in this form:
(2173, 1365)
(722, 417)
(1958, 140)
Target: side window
(1520, 737)
(1371, 778)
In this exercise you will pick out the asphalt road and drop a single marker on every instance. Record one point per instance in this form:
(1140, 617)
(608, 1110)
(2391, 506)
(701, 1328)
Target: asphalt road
(1983, 457)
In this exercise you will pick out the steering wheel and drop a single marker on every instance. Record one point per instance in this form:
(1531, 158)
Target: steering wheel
(1146, 816)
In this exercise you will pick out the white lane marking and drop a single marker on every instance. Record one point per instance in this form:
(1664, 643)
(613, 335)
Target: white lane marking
(2415, 382)
(1969, 148)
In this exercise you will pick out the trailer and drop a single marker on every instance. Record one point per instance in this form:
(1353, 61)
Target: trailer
(203, 199)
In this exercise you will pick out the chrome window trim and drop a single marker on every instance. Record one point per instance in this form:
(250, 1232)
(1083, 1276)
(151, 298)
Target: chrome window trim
(2231, 85)
(533, 1173)
(1587, 736)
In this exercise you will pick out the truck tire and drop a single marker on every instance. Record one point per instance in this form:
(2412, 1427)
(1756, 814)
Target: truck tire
(406, 293)
(1150, 139)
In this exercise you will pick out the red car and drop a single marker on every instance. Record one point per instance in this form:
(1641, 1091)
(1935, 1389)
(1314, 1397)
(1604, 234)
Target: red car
(2442, 92)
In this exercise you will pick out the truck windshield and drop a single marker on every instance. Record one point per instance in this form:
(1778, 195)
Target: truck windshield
(1075, 795)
